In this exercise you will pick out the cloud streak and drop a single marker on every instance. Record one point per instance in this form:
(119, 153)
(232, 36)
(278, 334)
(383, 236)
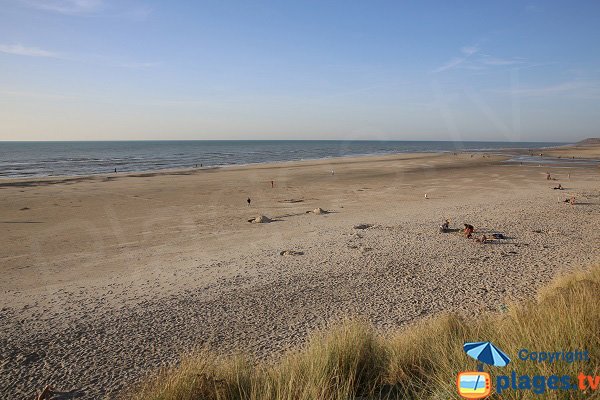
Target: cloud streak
(493, 61)
(69, 7)
(472, 58)
(136, 11)
(138, 65)
(579, 89)
(467, 52)
(38, 95)
(20, 50)
(25, 51)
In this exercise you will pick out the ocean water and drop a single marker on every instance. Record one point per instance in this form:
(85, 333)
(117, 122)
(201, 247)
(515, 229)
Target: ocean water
(30, 159)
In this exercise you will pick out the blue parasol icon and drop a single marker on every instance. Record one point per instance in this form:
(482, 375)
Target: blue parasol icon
(486, 353)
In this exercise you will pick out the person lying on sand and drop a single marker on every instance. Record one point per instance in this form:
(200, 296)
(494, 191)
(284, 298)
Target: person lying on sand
(559, 187)
(469, 229)
(570, 200)
(445, 226)
(483, 239)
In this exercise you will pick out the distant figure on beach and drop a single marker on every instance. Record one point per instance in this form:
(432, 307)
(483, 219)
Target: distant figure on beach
(469, 229)
(249, 201)
(445, 226)
(548, 177)
(332, 172)
(570, 200)
(272, 184)
(559, 187)
(46, 394)
(115, 170)
(200, 165)
(426, 196)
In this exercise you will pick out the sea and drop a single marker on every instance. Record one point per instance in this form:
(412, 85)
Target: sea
(40, 159)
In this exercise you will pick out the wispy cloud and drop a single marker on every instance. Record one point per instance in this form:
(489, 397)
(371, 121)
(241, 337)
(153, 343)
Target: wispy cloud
(132, 10)
(454, 62)
(489, 60)
(472, 58)
(467, 51)
(138, 65)
(20, 50)
(38, 95)
(69, 7)
(579, 89)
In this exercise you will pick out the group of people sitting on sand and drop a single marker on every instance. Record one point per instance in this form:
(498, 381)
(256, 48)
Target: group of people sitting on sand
(569, 200)
(468, 231)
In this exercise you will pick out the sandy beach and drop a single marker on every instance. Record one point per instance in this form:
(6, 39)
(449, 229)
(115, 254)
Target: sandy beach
(107, 278)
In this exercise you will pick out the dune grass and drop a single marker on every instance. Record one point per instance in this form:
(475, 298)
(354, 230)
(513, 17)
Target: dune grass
(352, 361)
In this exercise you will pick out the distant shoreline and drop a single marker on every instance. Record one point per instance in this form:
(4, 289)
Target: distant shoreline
(147, 166)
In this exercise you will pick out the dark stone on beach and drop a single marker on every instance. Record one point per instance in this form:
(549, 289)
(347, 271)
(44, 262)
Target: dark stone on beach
(362, 226)
(291, 253)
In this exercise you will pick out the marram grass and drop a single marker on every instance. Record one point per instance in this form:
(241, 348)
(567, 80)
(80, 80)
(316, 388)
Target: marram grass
(352, 361)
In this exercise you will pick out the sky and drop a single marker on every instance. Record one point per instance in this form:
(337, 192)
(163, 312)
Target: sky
(380, 70)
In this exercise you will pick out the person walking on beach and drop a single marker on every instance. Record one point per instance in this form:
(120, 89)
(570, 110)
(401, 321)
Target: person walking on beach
(249, 201)
(272, 184)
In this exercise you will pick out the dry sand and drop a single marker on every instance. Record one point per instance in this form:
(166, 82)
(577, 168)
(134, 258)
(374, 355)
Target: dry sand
(106, 278)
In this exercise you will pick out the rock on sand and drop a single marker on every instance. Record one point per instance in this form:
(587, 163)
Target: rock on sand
(291, 253)
(362, 226)
(261, 219)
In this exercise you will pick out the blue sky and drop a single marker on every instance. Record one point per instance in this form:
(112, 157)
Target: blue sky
(419, 70)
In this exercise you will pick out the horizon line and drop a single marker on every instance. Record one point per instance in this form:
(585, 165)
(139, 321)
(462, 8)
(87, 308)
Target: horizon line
(283, 140)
